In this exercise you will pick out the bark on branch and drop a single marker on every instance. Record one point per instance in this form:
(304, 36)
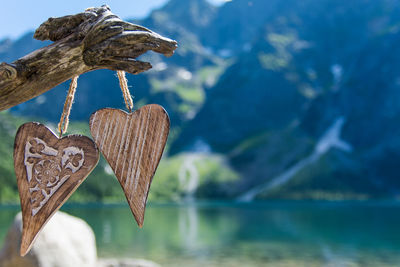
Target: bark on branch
(94, 39)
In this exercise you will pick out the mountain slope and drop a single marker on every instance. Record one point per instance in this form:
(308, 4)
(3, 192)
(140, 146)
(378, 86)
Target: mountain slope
(313, 62)
(262, 82)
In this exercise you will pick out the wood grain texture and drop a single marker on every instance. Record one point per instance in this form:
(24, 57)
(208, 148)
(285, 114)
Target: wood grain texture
(133, 144)
(87, 41)
(48, 171)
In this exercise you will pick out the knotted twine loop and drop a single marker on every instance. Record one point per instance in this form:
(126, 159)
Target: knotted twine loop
(64, 120)
(123, 83)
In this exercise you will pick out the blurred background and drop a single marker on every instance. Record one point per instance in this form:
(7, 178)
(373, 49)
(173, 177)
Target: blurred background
(285, 133)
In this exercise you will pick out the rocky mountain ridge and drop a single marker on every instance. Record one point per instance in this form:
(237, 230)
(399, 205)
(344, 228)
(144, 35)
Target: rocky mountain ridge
(261, 83)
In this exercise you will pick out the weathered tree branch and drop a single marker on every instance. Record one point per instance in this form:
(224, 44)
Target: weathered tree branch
(94, 39)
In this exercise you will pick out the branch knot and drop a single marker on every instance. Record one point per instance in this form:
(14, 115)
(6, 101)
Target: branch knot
(7, 72)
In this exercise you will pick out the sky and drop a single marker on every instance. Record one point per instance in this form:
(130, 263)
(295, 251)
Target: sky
(20, 16)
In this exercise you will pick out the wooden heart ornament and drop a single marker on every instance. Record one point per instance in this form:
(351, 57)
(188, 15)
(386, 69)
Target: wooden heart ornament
(133, 144)
(48, 169)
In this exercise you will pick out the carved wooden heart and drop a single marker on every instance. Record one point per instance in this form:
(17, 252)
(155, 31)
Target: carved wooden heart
(133, 145)
(48, 171)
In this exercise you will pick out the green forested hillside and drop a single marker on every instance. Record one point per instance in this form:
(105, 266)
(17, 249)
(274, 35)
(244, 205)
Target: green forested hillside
(8, 184)
(177, 177)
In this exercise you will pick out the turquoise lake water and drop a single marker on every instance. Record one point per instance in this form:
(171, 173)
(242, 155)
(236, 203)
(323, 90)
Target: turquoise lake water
(257, 234)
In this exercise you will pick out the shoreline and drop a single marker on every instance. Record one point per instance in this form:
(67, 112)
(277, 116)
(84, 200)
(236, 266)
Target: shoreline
(222, 203)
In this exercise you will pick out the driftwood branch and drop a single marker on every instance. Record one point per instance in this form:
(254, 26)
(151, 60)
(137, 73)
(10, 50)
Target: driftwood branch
(92, 40)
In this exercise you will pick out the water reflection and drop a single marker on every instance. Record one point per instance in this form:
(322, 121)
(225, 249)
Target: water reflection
(264, 234)
(188, 226)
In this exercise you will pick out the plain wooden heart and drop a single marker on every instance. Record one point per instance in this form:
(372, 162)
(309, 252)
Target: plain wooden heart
(133, 144)
(48, 170)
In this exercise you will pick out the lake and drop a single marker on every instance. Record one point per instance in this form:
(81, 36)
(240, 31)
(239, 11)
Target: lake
(256, 234)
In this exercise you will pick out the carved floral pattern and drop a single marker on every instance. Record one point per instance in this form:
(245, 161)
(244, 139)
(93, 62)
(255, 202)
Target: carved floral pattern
(48, 168)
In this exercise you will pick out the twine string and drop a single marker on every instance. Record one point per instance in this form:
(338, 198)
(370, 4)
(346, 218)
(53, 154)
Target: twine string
(123, 83)
(64, 120)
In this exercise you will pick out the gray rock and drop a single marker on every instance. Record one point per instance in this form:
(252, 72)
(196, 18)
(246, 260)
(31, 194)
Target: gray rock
(65, 241)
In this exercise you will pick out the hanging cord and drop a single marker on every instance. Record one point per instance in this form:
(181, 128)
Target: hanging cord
(64, 120)
(123, 83)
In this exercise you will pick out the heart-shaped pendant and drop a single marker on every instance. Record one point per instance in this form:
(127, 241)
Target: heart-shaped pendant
(133, 144)
(48, 169)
